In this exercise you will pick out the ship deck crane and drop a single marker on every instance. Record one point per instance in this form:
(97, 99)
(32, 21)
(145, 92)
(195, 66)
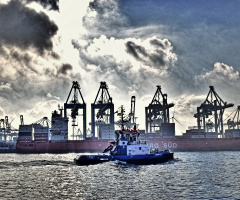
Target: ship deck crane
(75, 105)
(158, 111)
(43, 121)
(213, 105)
(103, 102)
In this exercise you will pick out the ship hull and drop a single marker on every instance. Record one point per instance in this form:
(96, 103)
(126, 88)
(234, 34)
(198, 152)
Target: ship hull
(190, 144)
(145, 159)
(129, 159)
(173, 144)
(78, 146)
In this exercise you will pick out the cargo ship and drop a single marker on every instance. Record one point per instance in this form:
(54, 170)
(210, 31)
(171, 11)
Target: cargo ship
(208, 135)
(192, 140)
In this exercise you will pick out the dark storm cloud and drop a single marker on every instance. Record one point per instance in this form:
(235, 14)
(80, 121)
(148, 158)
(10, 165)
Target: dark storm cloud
(65, 68)
(134, 49)
(158, 43)
(156, 58)
(24, 27)
(49, 4)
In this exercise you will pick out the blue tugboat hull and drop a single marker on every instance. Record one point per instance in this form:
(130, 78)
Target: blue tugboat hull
(129, 159)
(145, 159)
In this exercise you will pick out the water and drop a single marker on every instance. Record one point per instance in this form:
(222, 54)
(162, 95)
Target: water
(198, 175)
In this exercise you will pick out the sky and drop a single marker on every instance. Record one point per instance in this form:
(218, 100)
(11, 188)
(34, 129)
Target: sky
(182, 45)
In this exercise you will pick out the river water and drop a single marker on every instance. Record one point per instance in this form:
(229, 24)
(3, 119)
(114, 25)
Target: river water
(195, 175)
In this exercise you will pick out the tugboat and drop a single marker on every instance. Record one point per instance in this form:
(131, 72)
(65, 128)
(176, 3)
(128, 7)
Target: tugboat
(127, 148)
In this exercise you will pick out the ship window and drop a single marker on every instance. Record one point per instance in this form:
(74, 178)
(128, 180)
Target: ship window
(140, 148)
(123, 142)
(30, 145)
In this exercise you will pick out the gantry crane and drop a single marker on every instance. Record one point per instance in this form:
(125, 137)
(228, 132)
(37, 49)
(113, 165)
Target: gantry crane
(158, 111)
(213, 105)
(103, 102)
(234, 123)
(75, 105)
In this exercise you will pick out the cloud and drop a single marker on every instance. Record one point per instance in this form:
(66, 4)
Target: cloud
(65, 68)
(124, 62)
(50, 96)
(5, 86)
(24, 27)
(188, 103)
(2, 113)
(49, 4)
(104, 16)
(221, 72)
(153, 51)
(39, 110)
(6, 91)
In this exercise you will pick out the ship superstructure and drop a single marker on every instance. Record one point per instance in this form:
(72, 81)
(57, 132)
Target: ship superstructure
(59, 128)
